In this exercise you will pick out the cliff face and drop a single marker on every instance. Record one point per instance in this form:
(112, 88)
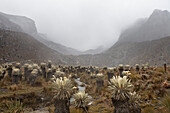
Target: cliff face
(154, 27)
(17, 23)
(6, 24)
(26, 24)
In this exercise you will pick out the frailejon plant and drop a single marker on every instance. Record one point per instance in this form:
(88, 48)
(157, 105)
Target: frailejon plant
(126, 73)
(9, 69)
(133, 103)
(100, 80)
(43, 69)
(49, 73)
(62, 89)
(121, 69)
(16, 73)
(137, 67)
(81, 100)
(49, 64)
(28, 74)
(59, 74)
(18, 65)
(1, 75)
(26, 71)
(120, 87)
(33, 76)
(127, 67)
(110, 73)
(122, 96)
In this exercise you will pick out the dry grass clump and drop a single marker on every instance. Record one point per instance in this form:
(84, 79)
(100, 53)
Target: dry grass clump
(47, 90)
(13, 87)
(148, 110)
(13, 106)
(166, 102)
(40, 81)
(5, 81)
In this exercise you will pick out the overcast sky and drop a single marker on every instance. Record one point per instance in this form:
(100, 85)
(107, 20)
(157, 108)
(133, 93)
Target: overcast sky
(83, 24)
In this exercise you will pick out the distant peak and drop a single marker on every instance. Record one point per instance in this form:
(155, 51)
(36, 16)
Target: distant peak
(158, 12)
(159, 15)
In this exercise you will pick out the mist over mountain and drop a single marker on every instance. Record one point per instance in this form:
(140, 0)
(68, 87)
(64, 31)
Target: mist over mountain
(6, 24)
(18, 46)
(55, 46)
(147, 40)
(86, 56)
(154, 27)
(155, 52)
(27, 25)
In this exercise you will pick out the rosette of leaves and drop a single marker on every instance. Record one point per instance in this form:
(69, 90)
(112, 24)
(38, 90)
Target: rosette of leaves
(120, 65)
(134, 97)
(34, 72)
(127, 67)
(100, 75)
(133, 103)
(120, 87)
(43, 64)
(16, 71)
(62, 88)
(81, 100)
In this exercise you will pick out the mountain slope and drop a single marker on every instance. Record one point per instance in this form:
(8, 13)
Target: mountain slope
(147, 40)
(98, 50)
(27, 25)
(63, 49)
(134, 47)
(6, 24)
(155, 27)
(55, 46)
(154, 52)
(17, 46)
(22, 23)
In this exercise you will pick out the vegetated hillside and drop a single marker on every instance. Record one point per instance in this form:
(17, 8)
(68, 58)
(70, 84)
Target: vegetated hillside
(155, 52)
(154, 27)
(17, 46)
